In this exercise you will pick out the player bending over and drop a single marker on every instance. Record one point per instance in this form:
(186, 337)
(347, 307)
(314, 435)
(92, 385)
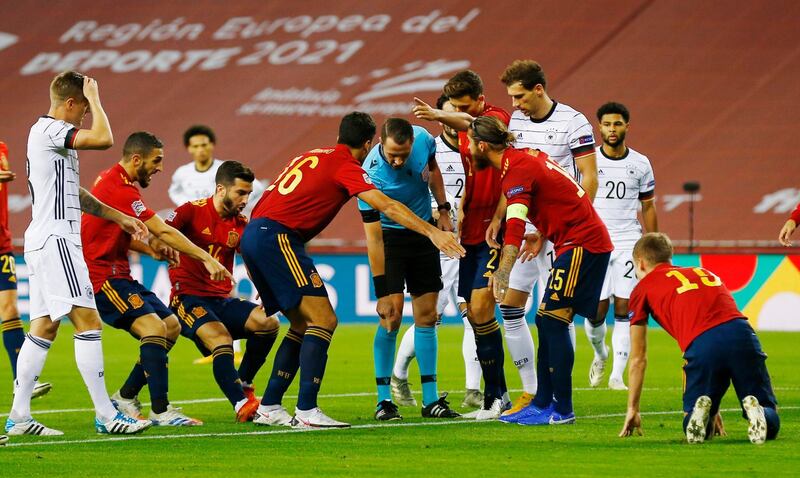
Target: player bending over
(719, 346)
(123, 302)
(208, 314)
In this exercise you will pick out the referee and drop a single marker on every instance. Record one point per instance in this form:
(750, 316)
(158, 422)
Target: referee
(404, 168)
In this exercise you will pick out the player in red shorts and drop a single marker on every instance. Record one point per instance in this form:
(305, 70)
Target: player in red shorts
(719, 346)
(538, 189)
(304, 198)
(481, 203)
(208, 314)
(124, 303)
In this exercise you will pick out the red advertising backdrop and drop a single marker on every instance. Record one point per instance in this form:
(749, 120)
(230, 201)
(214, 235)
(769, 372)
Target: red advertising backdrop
(711, 85)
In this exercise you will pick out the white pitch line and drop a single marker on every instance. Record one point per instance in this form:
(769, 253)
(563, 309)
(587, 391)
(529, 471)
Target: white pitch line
(351, 395)
(284, 431)
(334, 395)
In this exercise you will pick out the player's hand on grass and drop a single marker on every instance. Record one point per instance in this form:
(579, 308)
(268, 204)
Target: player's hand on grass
(424, 111)
(633, 424)
(133, 226)
(447, 243)
(6, 176)
(216, 270)
(491, 234)
(531, 247)
(719, 427)
(786, 233)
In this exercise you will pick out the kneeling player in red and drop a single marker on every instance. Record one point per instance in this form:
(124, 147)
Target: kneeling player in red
(537, 188)
(208, 314)
(719, 346)
(124, 303)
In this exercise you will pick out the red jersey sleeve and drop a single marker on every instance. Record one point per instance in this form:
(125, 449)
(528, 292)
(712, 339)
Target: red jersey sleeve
(181, 216)
(129, 201)
(796, 215)
(352, 178)
(518, 187)
(638, 310)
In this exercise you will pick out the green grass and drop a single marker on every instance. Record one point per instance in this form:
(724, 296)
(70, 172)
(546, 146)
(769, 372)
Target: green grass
(588, 448)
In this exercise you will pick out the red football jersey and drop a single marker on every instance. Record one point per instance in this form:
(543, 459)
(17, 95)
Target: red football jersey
(482, 188)
(557, 205)
(5, 232)
(201, 223)
(105, 245)
(312, 189)
(685, 301)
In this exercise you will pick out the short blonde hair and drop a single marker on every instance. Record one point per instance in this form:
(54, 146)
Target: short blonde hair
(68, 84)
(654, 248)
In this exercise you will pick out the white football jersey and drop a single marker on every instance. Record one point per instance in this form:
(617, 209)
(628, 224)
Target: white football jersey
(622, 184)
(54, 184)
(561, 134)
(189, 184)
(449, 160)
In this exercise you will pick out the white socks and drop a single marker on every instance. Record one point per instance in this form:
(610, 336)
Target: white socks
(571, 330)
(30, 362)
(469, 350)
(597, 338)
(621, 346)
(89, 357)
(520, 345)
(405, 354)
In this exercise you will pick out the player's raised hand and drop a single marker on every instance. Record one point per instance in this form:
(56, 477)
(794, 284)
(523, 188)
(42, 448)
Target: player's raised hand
(786, 233)
(633, 424)
(447, 243)
(531, 247)
(216, 270)
(424, 111)
(90, 88)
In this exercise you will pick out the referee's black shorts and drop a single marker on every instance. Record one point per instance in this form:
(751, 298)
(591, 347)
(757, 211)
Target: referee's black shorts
(411, 260)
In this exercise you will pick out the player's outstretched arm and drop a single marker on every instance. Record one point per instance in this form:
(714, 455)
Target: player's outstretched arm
(785, 236)
(99, 137)
(176, 240)
(637, 366)
(95, 207)
(399, 213)
(455, 119)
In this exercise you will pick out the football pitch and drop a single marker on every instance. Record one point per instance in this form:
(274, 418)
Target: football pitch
(413, 447)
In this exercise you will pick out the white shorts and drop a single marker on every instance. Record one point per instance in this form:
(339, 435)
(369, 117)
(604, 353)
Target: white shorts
(449, 293)
(58, 279)
(620, 276)
(525, 275)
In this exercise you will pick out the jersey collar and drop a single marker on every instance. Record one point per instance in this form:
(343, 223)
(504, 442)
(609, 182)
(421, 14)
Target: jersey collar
(445, 141)
(548, 115)
(603, 152)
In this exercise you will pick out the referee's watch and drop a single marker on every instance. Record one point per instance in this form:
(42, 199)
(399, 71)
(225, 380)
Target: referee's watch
(444, 207)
